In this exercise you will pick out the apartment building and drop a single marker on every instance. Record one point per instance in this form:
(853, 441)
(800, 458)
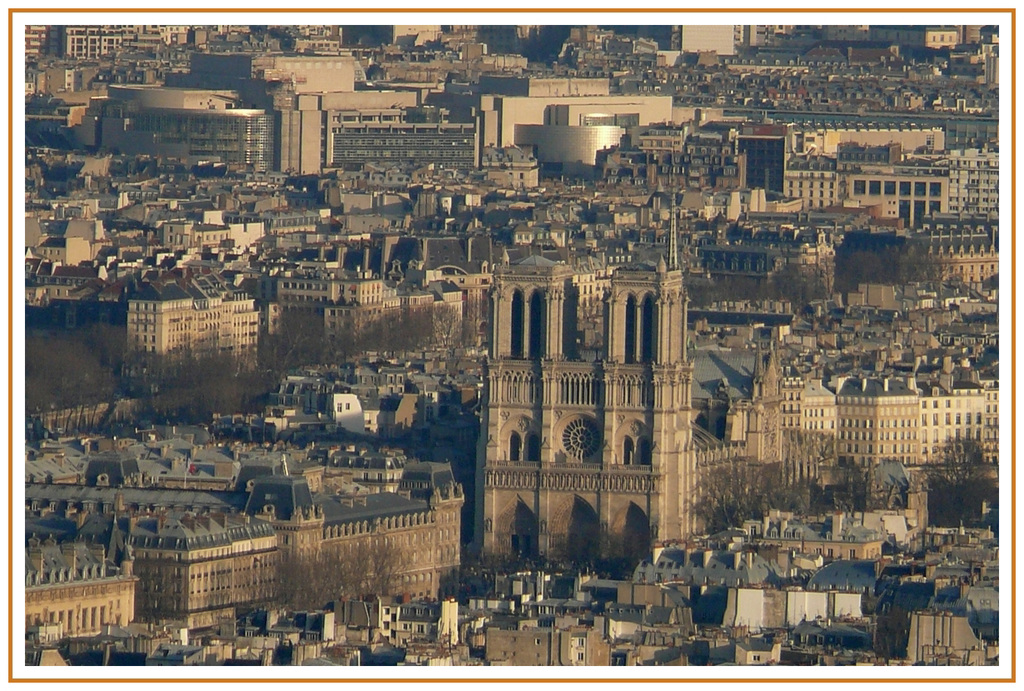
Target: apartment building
(814, 180)
(877, 420)
(75, 586)
(807, 406)
(450, 145)
(951, 413)
(202, 313)
(91, 42)
(570, 646)
(199, 568)
(990, 430)
(966, 248)
(974, 181)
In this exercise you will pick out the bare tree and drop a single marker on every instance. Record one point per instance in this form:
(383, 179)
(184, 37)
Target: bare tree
(306, 580)
(740, 489)
(361, 566)
(447, 326)
(960, 483)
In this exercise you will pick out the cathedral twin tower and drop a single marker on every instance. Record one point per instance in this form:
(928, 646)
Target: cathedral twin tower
(585, 452)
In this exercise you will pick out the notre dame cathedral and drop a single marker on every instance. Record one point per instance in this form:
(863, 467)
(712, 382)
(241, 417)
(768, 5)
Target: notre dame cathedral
(585, 451)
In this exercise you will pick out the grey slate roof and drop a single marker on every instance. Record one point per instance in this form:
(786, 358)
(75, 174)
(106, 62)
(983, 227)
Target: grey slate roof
(421, 478)
(202, 500)
(286, 493)
(875, 388)
(380, 505)
(845, 574)
(117, 468)
(713, 367)
(678, 564)
(534, 260)
(178, 533)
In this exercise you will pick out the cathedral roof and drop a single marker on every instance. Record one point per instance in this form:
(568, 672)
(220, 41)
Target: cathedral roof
(714, 368)
(534, 260)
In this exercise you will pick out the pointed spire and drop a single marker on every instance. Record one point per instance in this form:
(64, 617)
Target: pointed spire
(673, 242)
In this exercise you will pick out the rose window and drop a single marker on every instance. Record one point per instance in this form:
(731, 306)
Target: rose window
(581, 438)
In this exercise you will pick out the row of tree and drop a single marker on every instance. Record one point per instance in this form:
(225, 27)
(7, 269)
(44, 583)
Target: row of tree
(89, 367)
(959, 486)
(897, 265)
(355, 569)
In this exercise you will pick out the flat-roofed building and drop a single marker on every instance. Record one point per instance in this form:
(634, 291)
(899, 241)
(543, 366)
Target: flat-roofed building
(193, 124)
(974, 181)
(910, 191)
(499, 115)
(449, 145)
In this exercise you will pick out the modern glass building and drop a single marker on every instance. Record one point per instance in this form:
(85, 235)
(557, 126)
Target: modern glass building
(191, 124)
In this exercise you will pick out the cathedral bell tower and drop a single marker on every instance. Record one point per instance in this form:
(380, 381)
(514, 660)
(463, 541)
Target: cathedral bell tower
(581, 453)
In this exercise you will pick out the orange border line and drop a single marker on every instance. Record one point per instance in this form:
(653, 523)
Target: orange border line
(1013, 350)
(10, 345)
(478, 680)
(509, 680)
(532, 10)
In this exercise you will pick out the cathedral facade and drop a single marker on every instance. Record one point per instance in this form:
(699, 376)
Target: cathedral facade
(585, 452)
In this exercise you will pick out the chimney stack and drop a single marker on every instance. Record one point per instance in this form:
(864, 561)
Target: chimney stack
(70, 555)
(35, 554)
(837, 525)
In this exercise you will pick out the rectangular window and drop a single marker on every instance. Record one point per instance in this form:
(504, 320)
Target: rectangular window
(935, 189)
(890, 187)
(858, 186)
(875, 187)
(905, 189)
(919, 189)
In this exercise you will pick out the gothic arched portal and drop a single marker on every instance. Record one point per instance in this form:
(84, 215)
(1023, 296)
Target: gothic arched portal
(576, 532)
(518, 530)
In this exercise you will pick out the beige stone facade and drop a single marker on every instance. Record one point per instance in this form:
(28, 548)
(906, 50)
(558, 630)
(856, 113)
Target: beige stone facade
(199, 568)
(569, 647)
(580, 454)
(878, 419)
(206, 314)
(808, 406)
(73, 586)
(957, 413)
(413, 535)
